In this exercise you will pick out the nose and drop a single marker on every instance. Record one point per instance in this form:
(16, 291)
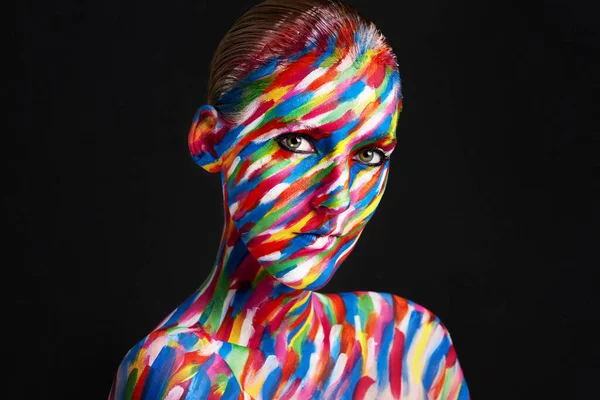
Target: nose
(333, 196)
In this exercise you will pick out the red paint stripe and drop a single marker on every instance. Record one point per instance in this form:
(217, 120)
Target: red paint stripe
(395, 362)
(362, 387)
(262, 108)
(327, 77)
(451, 357)
(139, 386)
(376, 74)
(340, 122)
(435, 390)
(400, 308)
(301, 68)
(292, 390)
(328, 105)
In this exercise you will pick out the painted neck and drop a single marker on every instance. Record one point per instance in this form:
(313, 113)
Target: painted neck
(240, 302)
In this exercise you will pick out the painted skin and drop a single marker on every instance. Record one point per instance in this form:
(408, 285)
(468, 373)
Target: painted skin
(303, 168)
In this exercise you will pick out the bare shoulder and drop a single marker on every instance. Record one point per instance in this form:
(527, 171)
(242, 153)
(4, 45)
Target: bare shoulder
(404, 314)
(173, 361)
(408, 341)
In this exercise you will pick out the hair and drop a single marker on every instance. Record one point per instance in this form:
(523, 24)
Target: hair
(282, 28)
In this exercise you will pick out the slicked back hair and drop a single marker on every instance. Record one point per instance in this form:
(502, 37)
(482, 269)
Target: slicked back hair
(278, 29)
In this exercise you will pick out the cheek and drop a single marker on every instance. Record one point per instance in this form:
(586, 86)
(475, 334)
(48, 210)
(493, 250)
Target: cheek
(266, 184)
(366, 192)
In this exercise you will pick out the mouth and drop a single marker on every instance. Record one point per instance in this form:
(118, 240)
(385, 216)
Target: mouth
(317, 234)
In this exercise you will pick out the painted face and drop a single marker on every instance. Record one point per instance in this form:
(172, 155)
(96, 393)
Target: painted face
(307, 165)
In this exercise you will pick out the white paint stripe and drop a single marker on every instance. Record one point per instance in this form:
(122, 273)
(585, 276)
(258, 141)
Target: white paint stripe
(340, 181)
(250, 109)
(175, 393)
(247, 329)
(365, 95)
(339, 367)
(248, 128)
(270, 257)
(254, 167)
(274, 193)
(342, 254)
(369, 126)
(155, 348)
(226, 304)
(363, 178)
(234, 207)
(300, 271)
(270, 135)
(326, 88)
(346, 62)
(310, 78)
(233, 166)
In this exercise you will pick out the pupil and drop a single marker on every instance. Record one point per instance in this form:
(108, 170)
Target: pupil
(367, 154)
(295, 141)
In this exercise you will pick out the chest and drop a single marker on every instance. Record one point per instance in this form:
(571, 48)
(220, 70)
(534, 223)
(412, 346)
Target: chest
(341, 364)
(315, 359)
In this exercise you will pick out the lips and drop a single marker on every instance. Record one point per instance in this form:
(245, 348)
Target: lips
(317, 234)
(320, 228)
(316, 242)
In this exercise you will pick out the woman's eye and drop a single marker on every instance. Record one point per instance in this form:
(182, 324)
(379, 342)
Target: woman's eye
(296, 143)
(370, 157)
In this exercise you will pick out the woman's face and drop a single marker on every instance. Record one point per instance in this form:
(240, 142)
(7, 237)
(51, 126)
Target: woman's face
(307, 165)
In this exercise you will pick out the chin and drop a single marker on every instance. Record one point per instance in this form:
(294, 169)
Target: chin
(303, 261)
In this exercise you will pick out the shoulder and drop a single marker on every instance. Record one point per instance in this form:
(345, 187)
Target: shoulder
(429, 357)
(413, 346)
(173, 362)
(403, 313)
(425, 348)
(389, 317)
(421, 331)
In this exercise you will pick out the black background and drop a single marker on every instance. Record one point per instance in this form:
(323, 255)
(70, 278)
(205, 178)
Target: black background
(489, 218)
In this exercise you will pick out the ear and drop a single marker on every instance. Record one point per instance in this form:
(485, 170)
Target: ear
(205, 134)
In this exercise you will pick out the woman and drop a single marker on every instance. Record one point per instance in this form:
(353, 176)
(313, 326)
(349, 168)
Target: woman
(303, 101)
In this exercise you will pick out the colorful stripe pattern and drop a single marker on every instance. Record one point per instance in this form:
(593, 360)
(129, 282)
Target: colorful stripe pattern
(304, 161)
(359, 345)
(342, 99)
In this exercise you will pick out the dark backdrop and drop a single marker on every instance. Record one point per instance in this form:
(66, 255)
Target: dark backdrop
(488, 219)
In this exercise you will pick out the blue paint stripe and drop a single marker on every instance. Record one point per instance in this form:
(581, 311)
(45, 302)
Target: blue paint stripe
(435, 360)
(414, 323)
(271, 384)
(464, 391)
(158, 376)
(200, 386)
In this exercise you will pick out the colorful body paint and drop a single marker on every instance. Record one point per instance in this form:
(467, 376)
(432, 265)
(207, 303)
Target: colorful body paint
(304, 163)
(248, 336)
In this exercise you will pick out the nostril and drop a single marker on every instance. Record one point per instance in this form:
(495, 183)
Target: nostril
(331, 204)
(318, 200)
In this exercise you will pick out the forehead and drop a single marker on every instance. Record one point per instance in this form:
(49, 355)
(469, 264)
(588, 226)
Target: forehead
(338, 91)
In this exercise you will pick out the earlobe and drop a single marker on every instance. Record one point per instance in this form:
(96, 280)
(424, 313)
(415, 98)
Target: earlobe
(205, 134)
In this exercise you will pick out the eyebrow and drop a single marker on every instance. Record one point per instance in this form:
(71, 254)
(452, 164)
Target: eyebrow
(314, 131)
(386, 143)
(383, 136)
(318, 134)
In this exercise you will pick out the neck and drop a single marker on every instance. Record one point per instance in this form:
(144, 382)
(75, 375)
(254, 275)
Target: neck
(240, 302)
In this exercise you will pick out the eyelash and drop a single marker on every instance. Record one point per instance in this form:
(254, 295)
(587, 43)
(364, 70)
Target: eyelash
(377, 150)
(281, 141)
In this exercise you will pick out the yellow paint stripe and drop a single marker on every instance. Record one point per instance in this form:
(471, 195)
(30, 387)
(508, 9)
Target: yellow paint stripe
(185, 373)
(294, 228)
(236, 329)
(277, 93)
(417, 361)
